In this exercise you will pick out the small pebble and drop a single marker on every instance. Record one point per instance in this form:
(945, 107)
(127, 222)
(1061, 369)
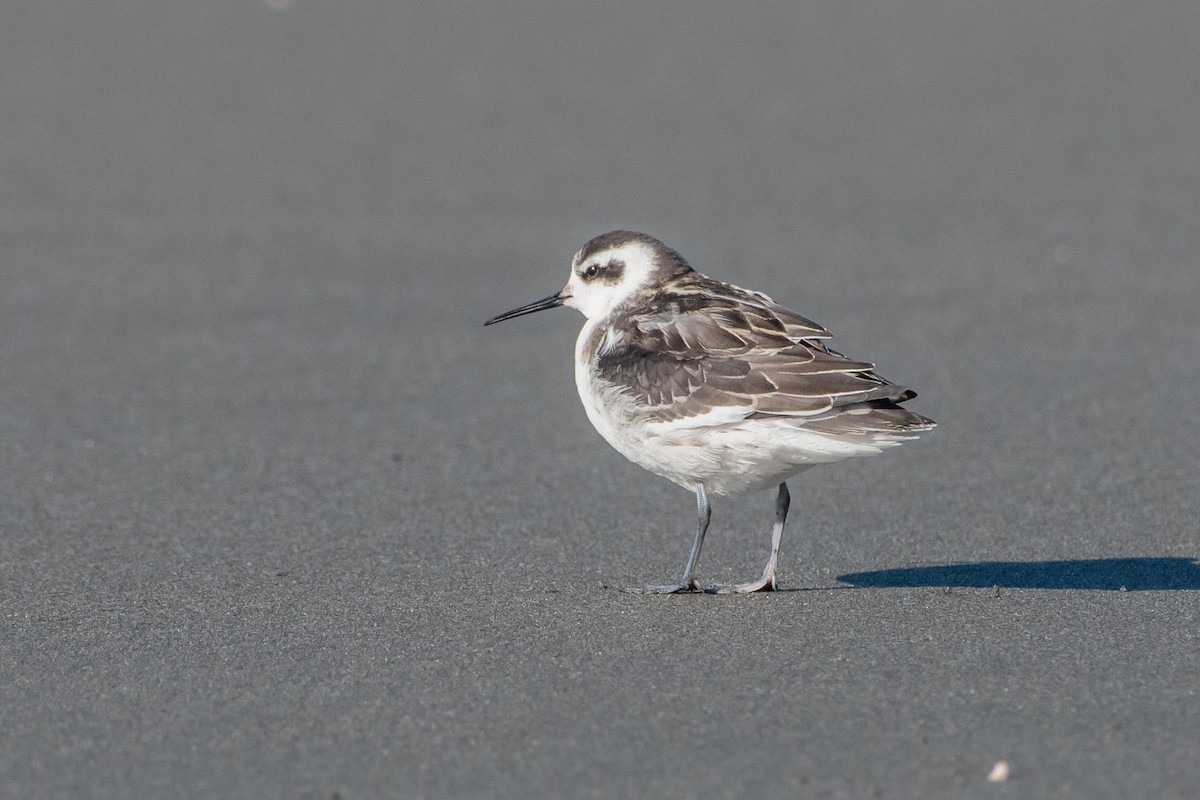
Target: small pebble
(999, 772)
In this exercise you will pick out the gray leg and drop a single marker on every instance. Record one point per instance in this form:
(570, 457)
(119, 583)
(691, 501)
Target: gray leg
(687, 583)
(767, 582)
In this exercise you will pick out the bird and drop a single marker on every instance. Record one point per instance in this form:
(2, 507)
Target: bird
(716, 388)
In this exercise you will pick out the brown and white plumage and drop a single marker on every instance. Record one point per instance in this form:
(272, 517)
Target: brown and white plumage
(697, 344)
(714, 387)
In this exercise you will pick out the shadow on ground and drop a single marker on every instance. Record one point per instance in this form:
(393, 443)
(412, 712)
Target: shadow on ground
(1132, 574)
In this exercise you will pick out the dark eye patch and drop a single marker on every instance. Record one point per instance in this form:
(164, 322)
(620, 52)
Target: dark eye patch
(612, 271)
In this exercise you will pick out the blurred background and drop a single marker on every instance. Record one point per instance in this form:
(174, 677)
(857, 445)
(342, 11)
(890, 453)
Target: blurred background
(280, 516)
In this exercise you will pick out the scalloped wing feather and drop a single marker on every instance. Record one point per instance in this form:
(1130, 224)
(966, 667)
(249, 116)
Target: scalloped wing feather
(700, 353)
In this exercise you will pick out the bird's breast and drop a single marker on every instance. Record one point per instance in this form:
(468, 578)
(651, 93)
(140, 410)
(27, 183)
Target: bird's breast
(603, 403)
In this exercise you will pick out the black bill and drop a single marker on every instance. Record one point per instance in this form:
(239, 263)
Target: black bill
(553, 301)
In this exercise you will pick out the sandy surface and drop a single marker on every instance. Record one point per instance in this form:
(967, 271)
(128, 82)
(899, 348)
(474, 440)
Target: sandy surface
(281, 519)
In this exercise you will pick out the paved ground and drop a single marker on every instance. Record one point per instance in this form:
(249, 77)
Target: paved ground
(280, 519)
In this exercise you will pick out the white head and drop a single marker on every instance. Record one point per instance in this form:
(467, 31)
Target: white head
(607, 271)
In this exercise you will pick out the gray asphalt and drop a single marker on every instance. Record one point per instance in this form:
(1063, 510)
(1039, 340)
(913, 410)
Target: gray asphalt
(281, 519)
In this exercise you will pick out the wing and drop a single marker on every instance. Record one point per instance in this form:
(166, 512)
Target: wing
(706, 353)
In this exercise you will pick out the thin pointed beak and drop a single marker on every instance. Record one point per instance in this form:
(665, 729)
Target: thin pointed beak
(553, 301)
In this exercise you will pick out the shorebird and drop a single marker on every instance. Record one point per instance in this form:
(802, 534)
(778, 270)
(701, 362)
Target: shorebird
(716, 388)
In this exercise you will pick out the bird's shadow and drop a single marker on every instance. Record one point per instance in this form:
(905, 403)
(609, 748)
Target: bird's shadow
(1114, 574)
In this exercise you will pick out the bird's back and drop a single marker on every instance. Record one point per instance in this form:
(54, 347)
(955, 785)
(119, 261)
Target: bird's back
(703, 367)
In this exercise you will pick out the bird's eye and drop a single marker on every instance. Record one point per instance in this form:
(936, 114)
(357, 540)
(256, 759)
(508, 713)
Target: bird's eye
(591, 271)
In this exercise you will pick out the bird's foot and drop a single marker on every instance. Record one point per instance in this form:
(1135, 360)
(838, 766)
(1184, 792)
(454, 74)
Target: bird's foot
(764, 584)
(671, 588)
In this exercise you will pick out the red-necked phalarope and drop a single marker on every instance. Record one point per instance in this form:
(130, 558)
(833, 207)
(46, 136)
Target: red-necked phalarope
(716, 388)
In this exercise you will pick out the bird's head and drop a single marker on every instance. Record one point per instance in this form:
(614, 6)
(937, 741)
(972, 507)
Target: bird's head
(607, 271)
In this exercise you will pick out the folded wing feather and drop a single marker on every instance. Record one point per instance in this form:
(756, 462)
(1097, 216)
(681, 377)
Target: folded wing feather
(716, 354)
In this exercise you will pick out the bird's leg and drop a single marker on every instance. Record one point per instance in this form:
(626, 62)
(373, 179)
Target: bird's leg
(687, 583)
(767, 582)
